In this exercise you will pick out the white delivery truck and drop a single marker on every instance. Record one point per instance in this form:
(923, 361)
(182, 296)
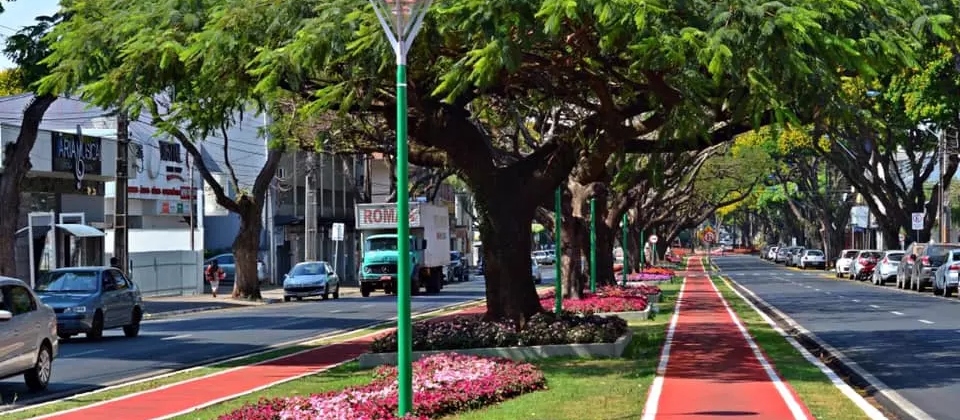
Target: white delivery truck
(429, 246)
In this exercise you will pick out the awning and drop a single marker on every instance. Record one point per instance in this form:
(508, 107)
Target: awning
(81, 231)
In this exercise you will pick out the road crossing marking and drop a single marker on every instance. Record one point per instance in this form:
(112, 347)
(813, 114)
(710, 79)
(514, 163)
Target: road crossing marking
(925, 321)
(177, 337)
(897, 313)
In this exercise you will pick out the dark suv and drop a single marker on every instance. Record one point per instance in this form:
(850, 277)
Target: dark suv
(926, 263)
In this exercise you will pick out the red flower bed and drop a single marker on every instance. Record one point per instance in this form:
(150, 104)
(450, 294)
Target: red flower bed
(443, 384)
(607, 299)
(659, 270)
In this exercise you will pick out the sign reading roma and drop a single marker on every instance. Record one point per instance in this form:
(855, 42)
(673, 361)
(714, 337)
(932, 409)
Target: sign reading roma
(384, 215)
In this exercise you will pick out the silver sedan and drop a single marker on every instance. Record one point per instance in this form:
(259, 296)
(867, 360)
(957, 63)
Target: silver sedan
(28, 335)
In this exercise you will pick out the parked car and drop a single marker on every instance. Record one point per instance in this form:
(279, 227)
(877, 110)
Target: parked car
(864, 258)
(458, 267)
(772, 253)
(795, 256)
(537, 274)
(782, 255)
(812, 258)
(542, 257)
(887, 268)
(947, 277)
(310, 279)
(842, 267)
(28, 335)
(229, 265)
(88, 300)
(927, 262)
(763, 252)
(905, 270)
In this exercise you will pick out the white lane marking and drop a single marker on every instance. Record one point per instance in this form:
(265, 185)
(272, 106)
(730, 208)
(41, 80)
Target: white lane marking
(808, 287)
(653, 400)
(817, 290)
(856, 300)
(795, 408)
(82, 353)
(829, 293)
(874, 306)
(925, 321)
(369, 305)
(789, 274)
(897, 313)
(177, 337)
(336, 311)
(844, 388)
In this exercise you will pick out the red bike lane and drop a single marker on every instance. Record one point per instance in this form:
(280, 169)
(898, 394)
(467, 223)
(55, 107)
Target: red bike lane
(711, 368)
(190, 395)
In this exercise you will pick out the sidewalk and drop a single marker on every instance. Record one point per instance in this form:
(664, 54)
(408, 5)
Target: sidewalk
(184, 397)
(711, 368)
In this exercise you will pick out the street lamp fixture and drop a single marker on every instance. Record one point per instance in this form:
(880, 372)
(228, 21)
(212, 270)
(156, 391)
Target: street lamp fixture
(401, 21)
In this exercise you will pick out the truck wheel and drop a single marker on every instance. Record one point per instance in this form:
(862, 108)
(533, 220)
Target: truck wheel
(434, 282)
(364, 290)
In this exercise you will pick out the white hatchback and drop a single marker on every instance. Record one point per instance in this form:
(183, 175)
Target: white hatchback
(887, 267)
(28, 335)
(842, 267)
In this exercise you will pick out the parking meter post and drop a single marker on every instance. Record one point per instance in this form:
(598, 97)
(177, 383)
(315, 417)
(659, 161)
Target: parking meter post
(558, 254)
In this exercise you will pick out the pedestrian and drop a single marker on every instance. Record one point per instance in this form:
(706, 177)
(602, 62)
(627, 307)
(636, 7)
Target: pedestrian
(214, 274)
(115, 262)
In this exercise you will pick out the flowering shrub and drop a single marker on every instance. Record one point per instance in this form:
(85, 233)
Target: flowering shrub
(443, 384)
(659, 270)
(645, 289)
(607, 299)
(467, 332)
(648, 277)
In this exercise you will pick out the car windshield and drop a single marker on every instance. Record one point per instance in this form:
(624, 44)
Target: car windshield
(454, 256)
(815, 253)
(67, 282)
(382, 244)
(938, 253)
(895, 256)
(310, 269)
(870, 255)
(850, 254)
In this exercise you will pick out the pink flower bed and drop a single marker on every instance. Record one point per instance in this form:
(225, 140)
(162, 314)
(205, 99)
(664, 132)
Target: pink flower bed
(443, 384)
(648, 277)
(607, 299)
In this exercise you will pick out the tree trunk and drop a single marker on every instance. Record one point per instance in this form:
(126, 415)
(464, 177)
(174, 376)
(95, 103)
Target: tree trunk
(246, 283)
(16, 164)
(505, 230)
(571, 236)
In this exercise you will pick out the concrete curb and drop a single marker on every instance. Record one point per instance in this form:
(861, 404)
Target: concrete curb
(888, 398)
(630, 316)
(520, 353)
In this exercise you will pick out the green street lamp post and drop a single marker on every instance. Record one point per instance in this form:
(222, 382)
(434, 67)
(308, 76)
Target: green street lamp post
(593, 245)
(642, 245)
(623, 245)
(401, 21)
(557, 220)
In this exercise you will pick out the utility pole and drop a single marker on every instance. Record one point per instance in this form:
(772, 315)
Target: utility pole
(941, 217)
(193, 211)
(310, 210)
(121, 235)
(271, 240)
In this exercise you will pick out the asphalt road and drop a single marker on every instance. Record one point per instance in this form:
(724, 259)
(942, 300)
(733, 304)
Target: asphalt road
(189, 340)
(908, 340)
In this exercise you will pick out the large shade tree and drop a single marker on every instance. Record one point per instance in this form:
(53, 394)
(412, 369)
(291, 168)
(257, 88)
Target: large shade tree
(633, 76)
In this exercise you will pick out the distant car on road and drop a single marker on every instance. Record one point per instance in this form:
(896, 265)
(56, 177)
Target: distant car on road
(887, 267)
(947, 278)
(842, 267)
(537, 274)
(927, 262)
(88, 300)
(782, 255)
(795, 255)
(311, 278)
(542, 257)
(772, 253)
(812, 258)
(458, 267)
(28, 335)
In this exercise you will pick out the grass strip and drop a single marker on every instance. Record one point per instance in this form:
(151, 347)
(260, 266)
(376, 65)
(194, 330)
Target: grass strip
(93, 398)
(815, 390)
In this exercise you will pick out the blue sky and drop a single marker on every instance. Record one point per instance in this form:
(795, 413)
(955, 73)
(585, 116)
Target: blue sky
(21, 13)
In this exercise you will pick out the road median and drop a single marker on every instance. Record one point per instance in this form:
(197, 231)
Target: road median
(153, 382)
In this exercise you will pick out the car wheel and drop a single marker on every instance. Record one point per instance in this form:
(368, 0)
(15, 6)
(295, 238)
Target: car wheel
(133, 329)
(96, 330)
(38, 377)
(325, 296)
(299, 299)
(365, 290)
(336, 292)
(948, 292)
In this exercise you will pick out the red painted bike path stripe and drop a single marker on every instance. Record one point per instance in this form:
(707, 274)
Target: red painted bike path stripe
(194, 394)
(711, 369)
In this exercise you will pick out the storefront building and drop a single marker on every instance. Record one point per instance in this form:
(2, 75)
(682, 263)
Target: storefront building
(62, 199)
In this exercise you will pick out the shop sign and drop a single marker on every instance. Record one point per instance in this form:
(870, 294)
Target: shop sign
(73, 154)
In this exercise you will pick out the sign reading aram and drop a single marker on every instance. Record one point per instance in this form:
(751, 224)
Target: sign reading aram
(76, 155)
